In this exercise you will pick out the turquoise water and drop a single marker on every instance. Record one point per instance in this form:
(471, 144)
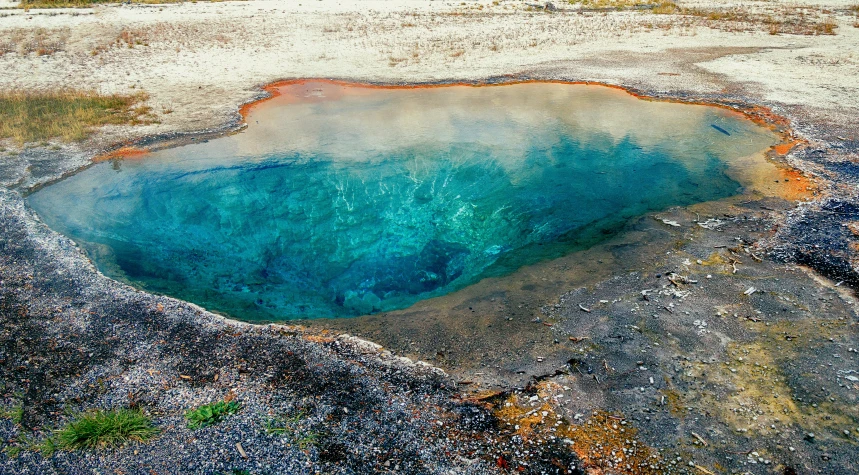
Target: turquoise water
(341, 204)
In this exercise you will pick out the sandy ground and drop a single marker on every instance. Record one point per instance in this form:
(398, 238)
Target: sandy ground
(202, 60)
(715, 380)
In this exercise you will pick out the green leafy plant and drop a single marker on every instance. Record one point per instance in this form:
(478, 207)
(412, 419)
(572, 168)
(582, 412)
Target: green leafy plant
(210, 414)
(100, 428)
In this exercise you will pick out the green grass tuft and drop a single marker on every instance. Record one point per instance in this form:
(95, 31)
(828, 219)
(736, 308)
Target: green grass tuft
(105, 429)
(14, 413)
(283, 424)
(307, 440)
(68, 115)
(210, 414)
(25, 442)
(46, 447)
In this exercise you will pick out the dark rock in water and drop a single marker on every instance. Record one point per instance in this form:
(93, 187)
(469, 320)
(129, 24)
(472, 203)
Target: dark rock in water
(720, 129)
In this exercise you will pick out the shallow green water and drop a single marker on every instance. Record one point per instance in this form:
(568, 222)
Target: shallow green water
(341, 202)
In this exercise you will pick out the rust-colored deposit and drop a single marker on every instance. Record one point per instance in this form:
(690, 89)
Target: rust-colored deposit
(122, 153)
(785, 147)
(797, 186)
(604, 442)
(319, 338)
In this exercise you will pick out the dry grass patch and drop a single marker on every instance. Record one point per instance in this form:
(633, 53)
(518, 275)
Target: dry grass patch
(794, 20)
(613, 4)
(665, 8)
(40, 41)
(88, 3)
(788, 19)
(57, 3)
(66, 115)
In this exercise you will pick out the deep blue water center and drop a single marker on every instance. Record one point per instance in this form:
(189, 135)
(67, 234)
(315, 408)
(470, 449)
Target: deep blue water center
(341, 201)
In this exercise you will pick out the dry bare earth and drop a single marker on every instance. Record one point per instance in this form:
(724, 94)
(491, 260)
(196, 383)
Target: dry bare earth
(201, 60)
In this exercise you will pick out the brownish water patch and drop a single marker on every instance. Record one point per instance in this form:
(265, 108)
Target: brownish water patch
(292, 87)
(794, 185)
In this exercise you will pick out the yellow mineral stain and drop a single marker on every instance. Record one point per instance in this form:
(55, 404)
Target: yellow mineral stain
(758, 392)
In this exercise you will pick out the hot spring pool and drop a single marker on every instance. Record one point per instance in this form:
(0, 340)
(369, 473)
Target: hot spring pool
(342, 200)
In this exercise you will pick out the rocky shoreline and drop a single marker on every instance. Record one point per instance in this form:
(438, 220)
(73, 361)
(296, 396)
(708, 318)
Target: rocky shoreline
(75, 340)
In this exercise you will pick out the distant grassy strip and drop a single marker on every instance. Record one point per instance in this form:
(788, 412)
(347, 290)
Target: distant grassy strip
(613, 4)
(58, 3)
(790, 20)
(68, 115)
(86, 3)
